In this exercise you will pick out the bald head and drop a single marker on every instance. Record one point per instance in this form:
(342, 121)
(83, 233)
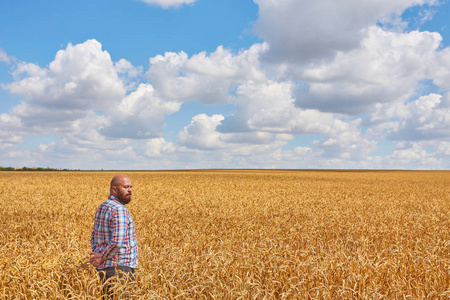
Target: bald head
(117, 179)
(121, 188)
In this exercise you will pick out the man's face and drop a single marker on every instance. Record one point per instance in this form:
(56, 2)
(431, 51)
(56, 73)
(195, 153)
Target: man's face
(123, 190)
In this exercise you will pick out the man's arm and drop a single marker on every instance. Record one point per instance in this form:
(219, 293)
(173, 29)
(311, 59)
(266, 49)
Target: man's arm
(96, 257)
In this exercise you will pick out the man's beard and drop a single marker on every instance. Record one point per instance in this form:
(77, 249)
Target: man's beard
(124, 199)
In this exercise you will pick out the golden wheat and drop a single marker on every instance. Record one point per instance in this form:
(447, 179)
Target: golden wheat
(235, 234)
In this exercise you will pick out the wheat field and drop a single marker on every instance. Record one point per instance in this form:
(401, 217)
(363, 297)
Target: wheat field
(235, 234)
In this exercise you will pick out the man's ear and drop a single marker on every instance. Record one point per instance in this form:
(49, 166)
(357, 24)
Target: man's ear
(114, 190)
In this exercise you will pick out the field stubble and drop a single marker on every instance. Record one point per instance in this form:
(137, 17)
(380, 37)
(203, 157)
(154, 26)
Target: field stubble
(235, 234)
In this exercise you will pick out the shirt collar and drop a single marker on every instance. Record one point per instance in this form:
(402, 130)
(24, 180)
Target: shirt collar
(112, 197)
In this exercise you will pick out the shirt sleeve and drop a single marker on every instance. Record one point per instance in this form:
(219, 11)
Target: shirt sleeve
(93, 246)
(95, 231)
(118, 225)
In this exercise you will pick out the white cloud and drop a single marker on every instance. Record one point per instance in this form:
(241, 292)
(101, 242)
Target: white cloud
(300, 30)
(386, 68)
(124, 66)
(208, 79)
(48, 147)
(10, 129)
(422, 119)
(80, 79)
(302, 151)
(139, 115)
(347, 146)
(201, 133)
(443, 148)
(223, 64)
(128, 73)
(441, 69)
(414, 156)
(158, 147)
(169, 3)
(84, 135)
(426, 118)
(261, 107)
(9, 121)
(4, 57)
(27, 70)
(269, 107)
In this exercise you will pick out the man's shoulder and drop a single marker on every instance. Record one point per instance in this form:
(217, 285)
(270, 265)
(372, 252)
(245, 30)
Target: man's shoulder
(109, 204)
(112, 205)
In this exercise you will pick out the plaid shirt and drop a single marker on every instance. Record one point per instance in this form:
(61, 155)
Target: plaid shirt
(114, 235)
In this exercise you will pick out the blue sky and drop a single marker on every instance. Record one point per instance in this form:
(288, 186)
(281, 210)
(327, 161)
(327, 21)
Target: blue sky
(192, 84)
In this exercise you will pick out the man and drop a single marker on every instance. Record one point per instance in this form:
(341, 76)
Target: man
(113, 239)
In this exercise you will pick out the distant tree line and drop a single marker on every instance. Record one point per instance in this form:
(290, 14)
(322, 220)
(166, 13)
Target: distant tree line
(31, 169)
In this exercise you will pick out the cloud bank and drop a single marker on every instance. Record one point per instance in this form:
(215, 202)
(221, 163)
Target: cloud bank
(335, 84)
